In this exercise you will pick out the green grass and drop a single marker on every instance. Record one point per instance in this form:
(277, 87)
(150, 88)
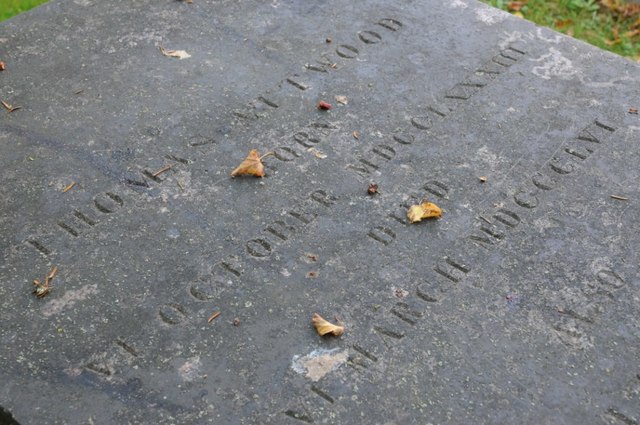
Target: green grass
(612, 25)
(9, 8)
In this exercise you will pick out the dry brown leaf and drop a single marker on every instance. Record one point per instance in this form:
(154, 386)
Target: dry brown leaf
(342, 100)
(516, 6)
(180, 54)
(425, 210)
(251, 166)
(2, 66)
(324, 327)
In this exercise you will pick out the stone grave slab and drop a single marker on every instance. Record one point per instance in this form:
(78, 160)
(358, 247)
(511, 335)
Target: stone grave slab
(519, 305)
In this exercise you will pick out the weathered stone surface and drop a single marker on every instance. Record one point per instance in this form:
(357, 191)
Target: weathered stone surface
(519, 305)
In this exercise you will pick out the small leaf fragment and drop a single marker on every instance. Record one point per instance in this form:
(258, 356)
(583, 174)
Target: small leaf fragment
(68, 187)
(324, 105)
(633, 111)
(483, 179)
(317, 153)
(10, 108)
(619, 198)
(2, 66)
(324, 327)
(373, 189)
(251, 166)
(180, 54)
(356, 135)
(213, 317)
(342, 100)
(425, 210)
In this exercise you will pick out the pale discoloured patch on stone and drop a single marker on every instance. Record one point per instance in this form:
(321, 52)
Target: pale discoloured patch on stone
(190, 370)
(490, 15)
(554, 64)
(318, 363)
(68, 299)
(458, 4)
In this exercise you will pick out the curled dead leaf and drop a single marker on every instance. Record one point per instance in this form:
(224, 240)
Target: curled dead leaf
(2, 66)
(425, 210)
(180, 54)
(42, 289)
(251, 166)
(355, 135)
(324, 327)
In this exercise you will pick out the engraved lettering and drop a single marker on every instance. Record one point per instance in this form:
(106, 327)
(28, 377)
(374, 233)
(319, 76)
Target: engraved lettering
(286, 154)
(126, 347)
(507, 217)
(267, 102)
(424, 293)
(609, 278)
(404, 139)
(580, 152)
(84, 218)
(390, 24)
(422, 122)
(389, 332)
(561, 167)
(346, 51)
(542, 181)
(301, 416)
(184, 161)
(39, 246)
(406, 313)
(437, 188)
(73, 232)
(281, 229)
(305, 140)
(258, 248)
(452, 270)
(364, 168)
(384, 151)
(232, 265)
(108, 204)
(172, 313)
(323, 198)
(322, 394)
(382, 234)
(305, 217)
(526, 199)
(369, 37)
(297, 84)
